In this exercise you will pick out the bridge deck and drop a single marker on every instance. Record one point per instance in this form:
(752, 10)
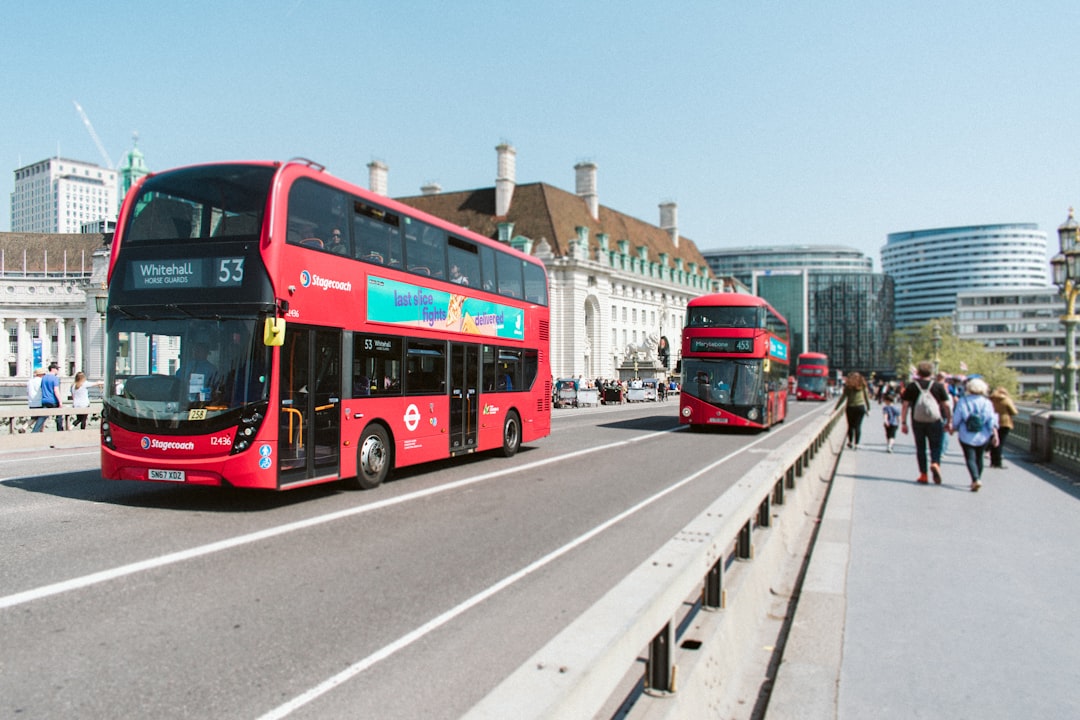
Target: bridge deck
(933, 601)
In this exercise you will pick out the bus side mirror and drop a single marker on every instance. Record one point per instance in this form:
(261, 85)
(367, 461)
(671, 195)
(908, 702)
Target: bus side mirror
(274, 332)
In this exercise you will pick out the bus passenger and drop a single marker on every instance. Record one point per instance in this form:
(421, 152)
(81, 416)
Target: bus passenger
(337, 245)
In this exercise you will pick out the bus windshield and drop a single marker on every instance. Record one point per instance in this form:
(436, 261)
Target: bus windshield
(724, 382)
(169, 370)
(200, 202)
(712, 316)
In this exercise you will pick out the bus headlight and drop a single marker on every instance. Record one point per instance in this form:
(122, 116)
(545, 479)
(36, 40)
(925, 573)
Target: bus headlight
(753, 414)
(687, 412)
(250, 421)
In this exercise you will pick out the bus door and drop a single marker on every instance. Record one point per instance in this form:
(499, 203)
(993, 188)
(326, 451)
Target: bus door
(464, 396)
(309, 423)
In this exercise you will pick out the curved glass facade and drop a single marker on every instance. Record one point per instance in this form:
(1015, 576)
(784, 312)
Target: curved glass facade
(929, 267)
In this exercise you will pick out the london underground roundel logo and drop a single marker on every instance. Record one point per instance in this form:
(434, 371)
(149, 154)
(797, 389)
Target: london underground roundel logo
(305, 278)
(412, 417)
(145, 442)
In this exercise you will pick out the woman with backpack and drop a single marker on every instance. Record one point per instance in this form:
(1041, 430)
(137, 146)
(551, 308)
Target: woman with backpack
(976, 423)
(928, 403)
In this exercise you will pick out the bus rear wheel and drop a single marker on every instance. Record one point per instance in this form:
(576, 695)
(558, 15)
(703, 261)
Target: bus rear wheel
(511, 434)
(374, 458)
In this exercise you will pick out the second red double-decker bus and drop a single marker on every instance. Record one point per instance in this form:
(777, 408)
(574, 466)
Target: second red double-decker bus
(271, 326)
(812, 376)
(734, 362)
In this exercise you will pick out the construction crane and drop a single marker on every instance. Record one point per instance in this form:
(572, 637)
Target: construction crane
(94, 135)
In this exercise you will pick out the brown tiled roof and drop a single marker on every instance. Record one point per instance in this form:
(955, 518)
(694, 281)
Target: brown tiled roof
(53, 249)
(540, 211)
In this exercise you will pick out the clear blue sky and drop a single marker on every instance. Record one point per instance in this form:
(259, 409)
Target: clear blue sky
(768, 122)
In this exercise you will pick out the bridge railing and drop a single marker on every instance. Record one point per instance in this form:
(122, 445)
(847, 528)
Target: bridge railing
(1052, 436)
(692, 609)
(16, 419)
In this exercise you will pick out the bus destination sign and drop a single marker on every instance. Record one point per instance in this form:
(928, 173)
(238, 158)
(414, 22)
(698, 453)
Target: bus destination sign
(722, 344)
(186, 273)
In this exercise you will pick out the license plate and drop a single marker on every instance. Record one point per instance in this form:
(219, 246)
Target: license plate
(168, 475)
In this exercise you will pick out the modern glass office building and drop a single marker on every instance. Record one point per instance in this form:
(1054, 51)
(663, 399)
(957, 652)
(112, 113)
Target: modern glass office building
(930, 267)
(833, 301)
(1024, 324)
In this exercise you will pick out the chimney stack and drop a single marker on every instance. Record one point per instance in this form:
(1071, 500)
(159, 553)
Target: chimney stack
(377, 176)
(669, 221)
(585, 173)
(505, 178)
(431, 188)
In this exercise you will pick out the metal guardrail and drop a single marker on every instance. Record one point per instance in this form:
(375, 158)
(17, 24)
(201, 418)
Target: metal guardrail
(741, 534)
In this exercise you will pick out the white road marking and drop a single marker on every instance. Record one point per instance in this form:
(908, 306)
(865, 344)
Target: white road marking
(227, 544)
(435, 623)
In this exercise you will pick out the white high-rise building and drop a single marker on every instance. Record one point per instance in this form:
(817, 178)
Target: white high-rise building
(59, 195)
(929, 267)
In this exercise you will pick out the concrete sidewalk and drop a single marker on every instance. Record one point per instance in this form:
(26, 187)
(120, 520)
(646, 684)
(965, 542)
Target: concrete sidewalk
(924, 601)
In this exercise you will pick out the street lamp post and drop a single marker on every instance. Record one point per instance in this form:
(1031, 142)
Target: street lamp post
(1066, 269)
(101, 304)
(936, 339)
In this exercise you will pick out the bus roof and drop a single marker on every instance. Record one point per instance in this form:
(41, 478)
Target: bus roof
(734, 300)
(729, 299)
(302, 167)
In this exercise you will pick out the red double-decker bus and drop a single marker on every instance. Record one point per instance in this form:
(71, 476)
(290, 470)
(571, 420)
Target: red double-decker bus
(271, 326)
(812, 376)
(734, 362)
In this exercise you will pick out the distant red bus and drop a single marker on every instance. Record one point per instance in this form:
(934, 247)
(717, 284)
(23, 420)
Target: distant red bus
(271, 326)
(812, 376)
(734, 362)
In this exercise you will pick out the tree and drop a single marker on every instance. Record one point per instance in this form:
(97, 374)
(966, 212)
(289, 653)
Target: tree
(955, 356)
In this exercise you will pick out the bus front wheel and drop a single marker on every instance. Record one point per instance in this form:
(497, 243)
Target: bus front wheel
(511, 434)
(374, 459)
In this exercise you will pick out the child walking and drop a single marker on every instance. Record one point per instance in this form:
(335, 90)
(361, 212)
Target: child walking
(891, 414)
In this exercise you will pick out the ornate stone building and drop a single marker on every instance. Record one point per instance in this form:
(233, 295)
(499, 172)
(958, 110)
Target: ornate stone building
(617, 284)
(48, 285)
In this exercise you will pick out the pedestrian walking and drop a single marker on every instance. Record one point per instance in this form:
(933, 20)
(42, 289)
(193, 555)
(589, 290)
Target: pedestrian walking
(976, 424)
(50, 392)
(1006, 410)
(928, 404)
(891, 415)
(857, 404)
(33, 398)
(80, 398)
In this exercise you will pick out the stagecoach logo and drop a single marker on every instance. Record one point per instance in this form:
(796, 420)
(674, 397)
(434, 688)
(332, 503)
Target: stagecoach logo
(148, 444)
(412, 417)
(310, 279)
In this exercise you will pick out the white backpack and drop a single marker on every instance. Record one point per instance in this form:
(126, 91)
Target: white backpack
(927, 409)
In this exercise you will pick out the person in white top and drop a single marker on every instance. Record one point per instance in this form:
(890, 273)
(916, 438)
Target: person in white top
(80, 398)
(33, 395)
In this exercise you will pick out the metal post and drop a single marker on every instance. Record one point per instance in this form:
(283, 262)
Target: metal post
(658, 669)
(1057, 402)
(936, 339)
(713, 595)
(745, 549)
(1070, 348)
